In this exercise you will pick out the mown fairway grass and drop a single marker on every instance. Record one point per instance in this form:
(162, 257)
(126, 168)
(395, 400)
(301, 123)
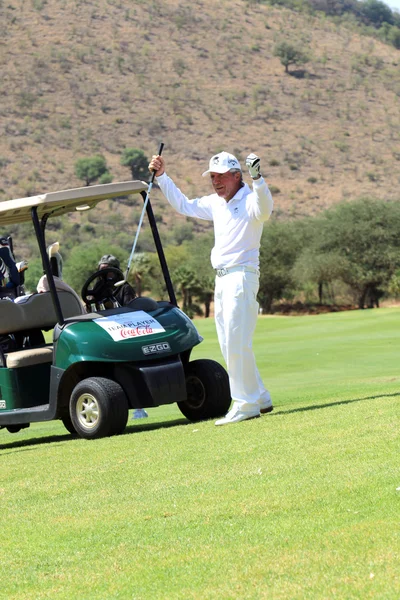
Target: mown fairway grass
(299, 504)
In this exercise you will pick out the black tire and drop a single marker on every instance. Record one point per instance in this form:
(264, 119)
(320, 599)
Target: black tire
(208, 391)
(66, 421)
(98, 408)
(14, 428)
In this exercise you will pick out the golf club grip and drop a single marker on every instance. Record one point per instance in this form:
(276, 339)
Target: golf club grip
(159, 154)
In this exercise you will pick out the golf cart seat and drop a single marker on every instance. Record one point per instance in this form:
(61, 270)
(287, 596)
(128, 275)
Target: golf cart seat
(143, 303)
(29, 314)
(36, 311)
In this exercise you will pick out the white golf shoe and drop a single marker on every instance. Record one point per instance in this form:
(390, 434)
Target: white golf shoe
(235, 416)
(265, 403)
(266, 408)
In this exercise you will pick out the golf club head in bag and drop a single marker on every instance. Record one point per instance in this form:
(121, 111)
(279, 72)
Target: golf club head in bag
(55, 258)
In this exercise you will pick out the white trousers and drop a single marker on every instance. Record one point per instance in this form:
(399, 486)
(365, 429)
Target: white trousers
(236, 310)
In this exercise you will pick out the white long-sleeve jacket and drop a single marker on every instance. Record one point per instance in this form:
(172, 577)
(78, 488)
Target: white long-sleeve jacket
(238, 223)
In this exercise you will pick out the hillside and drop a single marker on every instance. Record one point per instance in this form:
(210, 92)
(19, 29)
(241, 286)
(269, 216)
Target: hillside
(96, 76)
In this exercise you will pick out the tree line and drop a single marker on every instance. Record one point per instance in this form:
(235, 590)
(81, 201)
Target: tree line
(352, 248)
(95, 169)
(350, 253)
(373, 17)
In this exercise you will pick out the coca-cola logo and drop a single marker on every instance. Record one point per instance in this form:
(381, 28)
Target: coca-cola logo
(136, 331)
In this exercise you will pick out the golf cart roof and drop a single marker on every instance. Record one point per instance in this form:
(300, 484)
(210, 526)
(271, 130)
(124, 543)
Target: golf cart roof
(58, 203)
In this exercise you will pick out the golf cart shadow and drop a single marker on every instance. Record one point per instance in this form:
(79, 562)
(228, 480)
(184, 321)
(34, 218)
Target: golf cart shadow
(29, 444)
(52, 439)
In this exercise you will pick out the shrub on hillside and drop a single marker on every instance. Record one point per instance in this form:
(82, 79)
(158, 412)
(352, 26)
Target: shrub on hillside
(91, 169)
(137, 162)
(290, 54)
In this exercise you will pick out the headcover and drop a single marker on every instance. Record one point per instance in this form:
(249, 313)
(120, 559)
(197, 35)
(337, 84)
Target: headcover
(8, 267)
(56, 261)
(110, 260)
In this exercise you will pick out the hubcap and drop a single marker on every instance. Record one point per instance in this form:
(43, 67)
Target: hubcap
(87, 411)
(196, 392)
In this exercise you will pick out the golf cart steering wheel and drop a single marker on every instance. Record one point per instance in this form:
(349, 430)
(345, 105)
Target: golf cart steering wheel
(103, 290)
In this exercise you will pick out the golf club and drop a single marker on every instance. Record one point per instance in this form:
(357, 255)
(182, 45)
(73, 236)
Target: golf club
(141, 218)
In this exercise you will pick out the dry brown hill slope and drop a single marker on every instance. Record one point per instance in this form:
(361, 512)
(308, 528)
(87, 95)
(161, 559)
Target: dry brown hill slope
(96, 76)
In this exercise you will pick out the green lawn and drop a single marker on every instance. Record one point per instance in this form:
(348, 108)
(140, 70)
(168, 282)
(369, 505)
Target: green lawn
(300, 504)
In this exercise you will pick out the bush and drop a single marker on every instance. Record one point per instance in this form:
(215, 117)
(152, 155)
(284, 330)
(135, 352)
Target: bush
(274, 189)
(106, 177)
(394, 37)
(90, 169)
(137, 162)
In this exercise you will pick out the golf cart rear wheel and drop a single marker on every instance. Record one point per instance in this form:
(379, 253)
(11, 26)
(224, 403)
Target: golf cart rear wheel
(208, 391)
(98, 408)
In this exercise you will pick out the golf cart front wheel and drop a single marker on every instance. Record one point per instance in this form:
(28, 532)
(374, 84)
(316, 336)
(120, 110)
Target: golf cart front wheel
(208, 391)
(98, 408)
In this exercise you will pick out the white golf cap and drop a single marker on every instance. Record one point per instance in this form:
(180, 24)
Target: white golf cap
(222, 163)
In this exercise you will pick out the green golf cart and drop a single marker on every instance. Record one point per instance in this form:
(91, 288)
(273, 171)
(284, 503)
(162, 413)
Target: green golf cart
(104, 358)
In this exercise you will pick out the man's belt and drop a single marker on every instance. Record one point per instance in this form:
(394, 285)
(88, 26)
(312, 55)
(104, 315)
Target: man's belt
(226, 270)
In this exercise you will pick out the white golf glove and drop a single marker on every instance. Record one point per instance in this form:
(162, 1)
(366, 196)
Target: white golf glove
(253, 164)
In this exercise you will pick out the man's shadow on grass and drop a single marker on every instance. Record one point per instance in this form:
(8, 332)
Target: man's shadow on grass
(282, 413)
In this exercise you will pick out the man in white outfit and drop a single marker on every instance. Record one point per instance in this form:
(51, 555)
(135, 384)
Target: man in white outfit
(238, 213)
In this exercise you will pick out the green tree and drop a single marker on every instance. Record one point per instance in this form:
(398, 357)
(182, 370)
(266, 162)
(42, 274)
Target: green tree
(182, 231)
(206, 293)
(289, 54)
(33, 274)
(189, 287)
(376, 12)
(365, 234)
(394, 285)
(82, 261)
(198, 260)
(394, 37)
(141, 272)
(191, 273)
(281, 243)
(176, 255)
(91, 169)
(137, 162)
(320, 269)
